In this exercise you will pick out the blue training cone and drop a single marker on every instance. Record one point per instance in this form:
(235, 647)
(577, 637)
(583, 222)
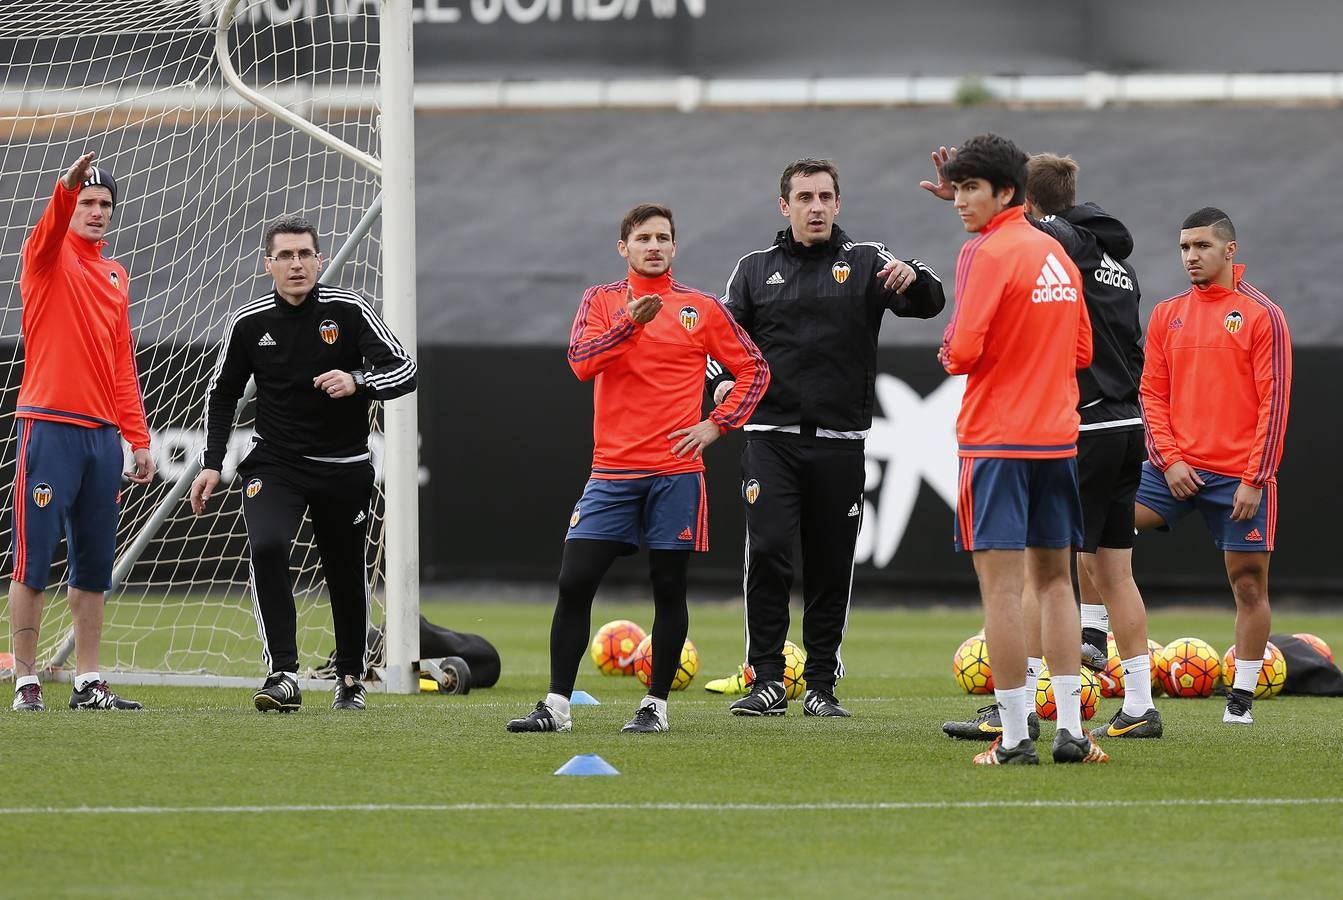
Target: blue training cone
(587, 764)
(583, 698)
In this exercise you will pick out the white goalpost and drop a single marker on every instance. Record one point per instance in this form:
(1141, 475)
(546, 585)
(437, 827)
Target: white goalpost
(217, 116)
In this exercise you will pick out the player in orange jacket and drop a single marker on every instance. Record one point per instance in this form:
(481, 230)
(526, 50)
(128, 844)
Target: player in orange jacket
(1110, 447)
(1019, 334)
(80, 396)
(643, 341)
(1216, 386)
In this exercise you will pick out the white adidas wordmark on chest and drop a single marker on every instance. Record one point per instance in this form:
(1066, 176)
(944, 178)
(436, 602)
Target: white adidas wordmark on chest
(1054, 285)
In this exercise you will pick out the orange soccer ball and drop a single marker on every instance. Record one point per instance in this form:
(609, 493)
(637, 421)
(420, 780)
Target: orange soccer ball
(1317, 642)
(685, 671)
(1190, 668)
(1271, 677)
(970, 666)
(1044, 695)
(613, 647)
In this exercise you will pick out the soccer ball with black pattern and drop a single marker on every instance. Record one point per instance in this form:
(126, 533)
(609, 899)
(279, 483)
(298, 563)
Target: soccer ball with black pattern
(613, 647)
(1190, 668)
(794, 664)
(643, 664)
(970, 666)
(1046, 708)
(1271, 677)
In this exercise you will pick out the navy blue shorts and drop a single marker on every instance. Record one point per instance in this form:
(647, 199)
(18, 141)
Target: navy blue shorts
(1012, 504)
(670, 512)
(67, 484)
(1214, 501)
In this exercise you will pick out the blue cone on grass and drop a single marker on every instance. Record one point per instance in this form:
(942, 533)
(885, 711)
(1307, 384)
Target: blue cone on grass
(587, 764)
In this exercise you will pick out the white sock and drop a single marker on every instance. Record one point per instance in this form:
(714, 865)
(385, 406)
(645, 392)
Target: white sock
(1068, 700)
(24, 681)
(1013, 705)
(82, 681)
(558, 704)
(659, 706)
(292, 676)
(1095, 615)
(1033, 666)
(1137, 685)
(1247, 675)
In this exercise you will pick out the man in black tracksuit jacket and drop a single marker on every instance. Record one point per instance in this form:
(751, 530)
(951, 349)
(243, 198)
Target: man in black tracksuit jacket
(320, 356)
(1111, 443)
(813, 303)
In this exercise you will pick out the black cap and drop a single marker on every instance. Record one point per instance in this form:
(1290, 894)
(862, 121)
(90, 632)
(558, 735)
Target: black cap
(100, 177)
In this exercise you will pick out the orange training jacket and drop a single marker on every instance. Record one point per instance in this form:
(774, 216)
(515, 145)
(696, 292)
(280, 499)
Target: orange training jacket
(650, 378)
(79, 363)
(1019, 333)
(1217, 381)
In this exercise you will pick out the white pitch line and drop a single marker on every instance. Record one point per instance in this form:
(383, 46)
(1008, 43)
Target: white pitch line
(673, 807)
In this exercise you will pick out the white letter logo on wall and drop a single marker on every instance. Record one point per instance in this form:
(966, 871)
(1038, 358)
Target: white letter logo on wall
(914, 441)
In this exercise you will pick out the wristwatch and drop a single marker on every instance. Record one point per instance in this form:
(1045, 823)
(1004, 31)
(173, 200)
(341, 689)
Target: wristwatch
(360, 379)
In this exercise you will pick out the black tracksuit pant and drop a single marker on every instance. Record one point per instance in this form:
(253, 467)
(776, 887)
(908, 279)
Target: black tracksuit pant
(809, 487)
(276, 493)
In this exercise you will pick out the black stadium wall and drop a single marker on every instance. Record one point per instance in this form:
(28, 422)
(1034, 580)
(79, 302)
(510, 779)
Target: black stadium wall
(507, 444)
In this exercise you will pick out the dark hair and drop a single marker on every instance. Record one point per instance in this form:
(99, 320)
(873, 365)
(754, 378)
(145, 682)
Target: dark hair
(1211, 216)
(807, 166)
(641, 214)
(290, 225)
(1051, 183)
(994, 159)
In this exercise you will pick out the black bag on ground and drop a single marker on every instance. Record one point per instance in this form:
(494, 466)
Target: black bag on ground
(435, 642)
(1308, 671)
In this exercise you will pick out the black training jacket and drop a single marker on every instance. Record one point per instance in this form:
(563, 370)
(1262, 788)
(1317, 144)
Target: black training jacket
(1100, 245)
(815, 313)
(285, 347)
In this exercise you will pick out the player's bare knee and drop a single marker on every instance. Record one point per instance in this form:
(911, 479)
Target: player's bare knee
(1249, 584)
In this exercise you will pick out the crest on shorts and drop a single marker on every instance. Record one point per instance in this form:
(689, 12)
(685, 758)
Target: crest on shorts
(689, 318)
(840, 271)
(751, 490)
(42, 494)
(573, 520)
(253, 488)
(329, 331)
(116, 282)
(1233, 322)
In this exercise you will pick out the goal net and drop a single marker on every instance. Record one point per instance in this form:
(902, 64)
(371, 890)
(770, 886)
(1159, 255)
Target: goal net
(200, 172)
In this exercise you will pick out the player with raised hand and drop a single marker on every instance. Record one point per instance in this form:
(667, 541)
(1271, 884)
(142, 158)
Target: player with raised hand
(1216, 386)
(642, 340)
(1019, 333)
(1110, 447)
(79, 398)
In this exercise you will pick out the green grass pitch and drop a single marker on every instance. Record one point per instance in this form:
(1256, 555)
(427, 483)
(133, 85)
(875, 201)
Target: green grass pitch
(200, 796)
